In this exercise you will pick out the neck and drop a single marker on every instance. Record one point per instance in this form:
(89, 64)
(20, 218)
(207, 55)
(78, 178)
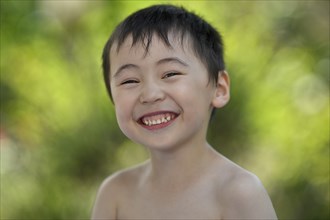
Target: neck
(180, 165)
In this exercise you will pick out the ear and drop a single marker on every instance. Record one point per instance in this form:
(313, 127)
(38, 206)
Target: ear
(222, 91)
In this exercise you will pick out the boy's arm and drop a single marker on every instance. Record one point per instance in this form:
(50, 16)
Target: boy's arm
(105, 205)
(248, 199)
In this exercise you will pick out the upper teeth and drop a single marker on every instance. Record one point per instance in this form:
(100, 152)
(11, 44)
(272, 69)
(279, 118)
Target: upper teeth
(156, 120)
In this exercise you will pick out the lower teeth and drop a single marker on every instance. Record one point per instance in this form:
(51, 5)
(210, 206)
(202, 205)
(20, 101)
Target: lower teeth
(151, 124)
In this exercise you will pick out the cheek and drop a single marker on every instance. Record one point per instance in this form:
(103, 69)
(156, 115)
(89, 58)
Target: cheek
(196, 100)
(123, 116)
(123, 104)
(122, 109)
(193, 92)
(120, 116)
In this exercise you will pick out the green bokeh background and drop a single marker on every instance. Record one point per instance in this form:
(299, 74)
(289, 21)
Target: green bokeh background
(59, 136)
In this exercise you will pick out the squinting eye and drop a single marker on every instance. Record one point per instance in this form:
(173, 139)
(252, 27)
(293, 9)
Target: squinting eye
(129, 82)
(170, 74)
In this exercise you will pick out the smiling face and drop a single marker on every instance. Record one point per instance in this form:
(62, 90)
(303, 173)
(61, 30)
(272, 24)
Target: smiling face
(163, 98)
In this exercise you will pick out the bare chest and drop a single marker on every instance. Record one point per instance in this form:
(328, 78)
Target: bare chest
(198, 202)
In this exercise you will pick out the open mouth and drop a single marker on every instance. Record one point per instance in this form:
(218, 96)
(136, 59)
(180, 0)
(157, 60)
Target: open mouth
(159, 119)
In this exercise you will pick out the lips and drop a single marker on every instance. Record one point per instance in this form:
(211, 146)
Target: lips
(157, 120)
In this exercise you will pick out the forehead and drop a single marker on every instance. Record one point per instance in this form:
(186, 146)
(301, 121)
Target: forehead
(177, 43)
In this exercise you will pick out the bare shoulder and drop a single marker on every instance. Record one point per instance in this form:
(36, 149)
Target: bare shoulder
(112, 190)
(242, 194)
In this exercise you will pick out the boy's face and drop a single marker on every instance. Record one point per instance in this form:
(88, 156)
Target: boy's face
(162, 98)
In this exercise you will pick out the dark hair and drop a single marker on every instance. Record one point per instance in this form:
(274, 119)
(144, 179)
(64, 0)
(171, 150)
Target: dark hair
(161, 20)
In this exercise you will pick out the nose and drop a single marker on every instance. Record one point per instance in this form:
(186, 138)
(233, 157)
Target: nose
(151, 92)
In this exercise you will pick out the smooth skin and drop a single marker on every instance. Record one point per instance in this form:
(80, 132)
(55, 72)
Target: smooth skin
(184, 177)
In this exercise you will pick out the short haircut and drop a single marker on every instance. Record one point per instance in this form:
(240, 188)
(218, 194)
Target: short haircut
(161, 20)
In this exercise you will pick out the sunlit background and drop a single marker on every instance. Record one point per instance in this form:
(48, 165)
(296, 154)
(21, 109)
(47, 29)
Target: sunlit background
(59, 136)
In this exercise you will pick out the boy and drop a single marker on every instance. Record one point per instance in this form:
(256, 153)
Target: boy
(164, 70)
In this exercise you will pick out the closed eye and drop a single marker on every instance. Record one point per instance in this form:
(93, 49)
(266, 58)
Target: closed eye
(170, 74)
(130, 81)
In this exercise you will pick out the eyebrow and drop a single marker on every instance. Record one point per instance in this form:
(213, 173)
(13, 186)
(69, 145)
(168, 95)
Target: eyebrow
(123, 67)
(172, 59)
(159, 62)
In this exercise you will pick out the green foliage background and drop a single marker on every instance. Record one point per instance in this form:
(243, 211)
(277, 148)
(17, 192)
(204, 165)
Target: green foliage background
(59, 137)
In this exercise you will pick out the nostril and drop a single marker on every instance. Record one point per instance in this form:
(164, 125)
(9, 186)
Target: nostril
(151, 95)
